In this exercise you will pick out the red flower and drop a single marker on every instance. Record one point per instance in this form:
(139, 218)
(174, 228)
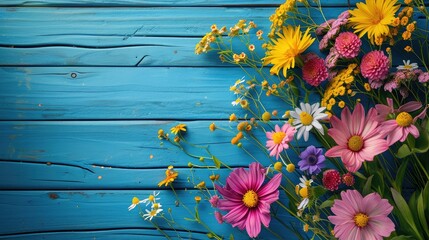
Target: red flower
(331, 179)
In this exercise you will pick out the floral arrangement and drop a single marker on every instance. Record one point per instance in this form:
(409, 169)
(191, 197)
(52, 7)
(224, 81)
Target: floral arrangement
(349, 157)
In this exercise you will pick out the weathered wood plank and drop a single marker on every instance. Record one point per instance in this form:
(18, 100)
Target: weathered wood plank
(124, 36)
(40, 213)
(120, 93)
(151, 3)
(117, 145)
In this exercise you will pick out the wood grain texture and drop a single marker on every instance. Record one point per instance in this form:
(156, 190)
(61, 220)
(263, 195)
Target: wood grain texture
(103, 213)
(125, 36)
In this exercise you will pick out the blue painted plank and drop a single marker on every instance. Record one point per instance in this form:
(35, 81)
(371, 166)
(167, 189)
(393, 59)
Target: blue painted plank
(119, 144)
(89, 213)
(121, 93)
(151, 3)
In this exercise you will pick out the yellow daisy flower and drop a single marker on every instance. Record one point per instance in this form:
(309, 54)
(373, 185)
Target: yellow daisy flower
(283, 51)
(373, 18)
(170, 176)
(178, 128)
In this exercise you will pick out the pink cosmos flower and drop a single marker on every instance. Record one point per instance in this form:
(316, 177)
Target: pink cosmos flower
(279, 139)
(247, 199)
(358, 137)
(314, 71)
(375, 67)
(348, 44)
(358, 217)
(398, 129)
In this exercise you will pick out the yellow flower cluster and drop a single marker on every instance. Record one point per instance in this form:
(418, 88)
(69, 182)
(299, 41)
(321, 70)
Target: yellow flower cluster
(403, 20)
(339, 86)
(204, 45)
(280, 16)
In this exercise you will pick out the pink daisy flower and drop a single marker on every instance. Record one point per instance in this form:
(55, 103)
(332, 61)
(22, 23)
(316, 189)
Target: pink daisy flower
(357, 136)
(358, 217)
(398, 129)
(247, 199)
(314, 71)
(348, 44)
(279, 139)
(375, 67)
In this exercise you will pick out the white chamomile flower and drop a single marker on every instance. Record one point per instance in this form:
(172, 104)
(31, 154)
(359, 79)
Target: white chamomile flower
(152, 213)
(305, 182)
(303, 203)
(407, 66)
(135, 201)
(152, 198)
(233, 88)
(236, 101)
(307, 117)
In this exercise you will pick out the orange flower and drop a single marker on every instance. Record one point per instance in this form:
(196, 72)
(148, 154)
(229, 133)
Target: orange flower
(170, 176)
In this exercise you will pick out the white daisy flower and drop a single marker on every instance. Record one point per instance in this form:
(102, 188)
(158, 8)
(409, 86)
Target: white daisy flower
(152, 198)
(307, 117)
(304, 182)
(303, 203)
(152, 213)
(135, 201)
(236, 101)
(407, 66)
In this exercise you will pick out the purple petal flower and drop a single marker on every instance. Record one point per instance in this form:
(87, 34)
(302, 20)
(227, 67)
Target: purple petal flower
(312, 160)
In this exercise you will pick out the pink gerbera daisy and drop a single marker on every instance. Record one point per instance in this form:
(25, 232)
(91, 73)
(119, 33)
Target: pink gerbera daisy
(358, 137)
(398, 129)
(279, 139)
(358, 217)
(247, 199)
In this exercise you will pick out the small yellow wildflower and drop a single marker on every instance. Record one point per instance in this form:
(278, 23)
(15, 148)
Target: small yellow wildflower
(244, 103)
(274, 113)
(232, 117)
(178, 128)
(251, 47)
(212, 127)
(396, 22)
(176, 139)
(411, 27)
(408, 48)
(202, 184)
(266, 116)
(306, 227)
(248, 127)
(408, 2)
(410, 12)
(278, 166)
(341, 104)
(404, 20)
(197, 199)
(214, 177)
(367, 87)
(170, 176)
(290, 167)
(134, 202)
(406, 35)
(242, 126)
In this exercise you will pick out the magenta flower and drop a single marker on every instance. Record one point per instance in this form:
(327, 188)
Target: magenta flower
(279, 139)
(398, 129)
(375, 67)
(314, 71)
(358, 217)
(247, 199)
(331, 179)
(358, 137)
(348, 44)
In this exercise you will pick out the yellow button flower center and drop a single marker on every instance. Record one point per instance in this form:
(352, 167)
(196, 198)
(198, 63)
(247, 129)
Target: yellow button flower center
(404, 119)
(151, 198)
(355, 143)
(135, 200)
(306, 119)
(155, 206)
(250, 199)
(278, 137)
(303, 192)
(361, 219)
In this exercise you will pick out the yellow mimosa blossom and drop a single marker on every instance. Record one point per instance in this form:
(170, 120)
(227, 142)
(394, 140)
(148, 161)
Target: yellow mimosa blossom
(373, 18)
(283, 52)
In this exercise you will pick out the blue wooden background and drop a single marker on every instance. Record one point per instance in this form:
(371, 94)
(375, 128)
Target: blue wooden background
(84, 87)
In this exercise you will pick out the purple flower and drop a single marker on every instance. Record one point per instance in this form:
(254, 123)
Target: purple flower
(312, 160)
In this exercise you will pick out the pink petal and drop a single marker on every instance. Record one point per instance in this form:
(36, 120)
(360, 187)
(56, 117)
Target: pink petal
(256, 176)
(382, 226)
(357, 120)
(336, 151)
(237, 180)
(410, 106)
(354, 200)
(227, 205)
(228, 194)
(237, 215)
(414, 131)
(269, 192)
(253, 224)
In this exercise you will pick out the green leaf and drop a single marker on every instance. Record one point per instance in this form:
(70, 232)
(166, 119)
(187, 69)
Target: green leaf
(421, 214)
(422, 142)
(216, 162)
(360, 175)
(231, 237)
(400, 175)
(403, 151)
(405, 211)
(327, 203)
(367, 187)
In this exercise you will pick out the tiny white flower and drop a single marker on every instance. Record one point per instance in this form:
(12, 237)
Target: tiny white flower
(303, 203)
(304, 182)
(135, 201)
(236, 101)
(307, 117)
(151, 199)
(152, 213)
(407, 65)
